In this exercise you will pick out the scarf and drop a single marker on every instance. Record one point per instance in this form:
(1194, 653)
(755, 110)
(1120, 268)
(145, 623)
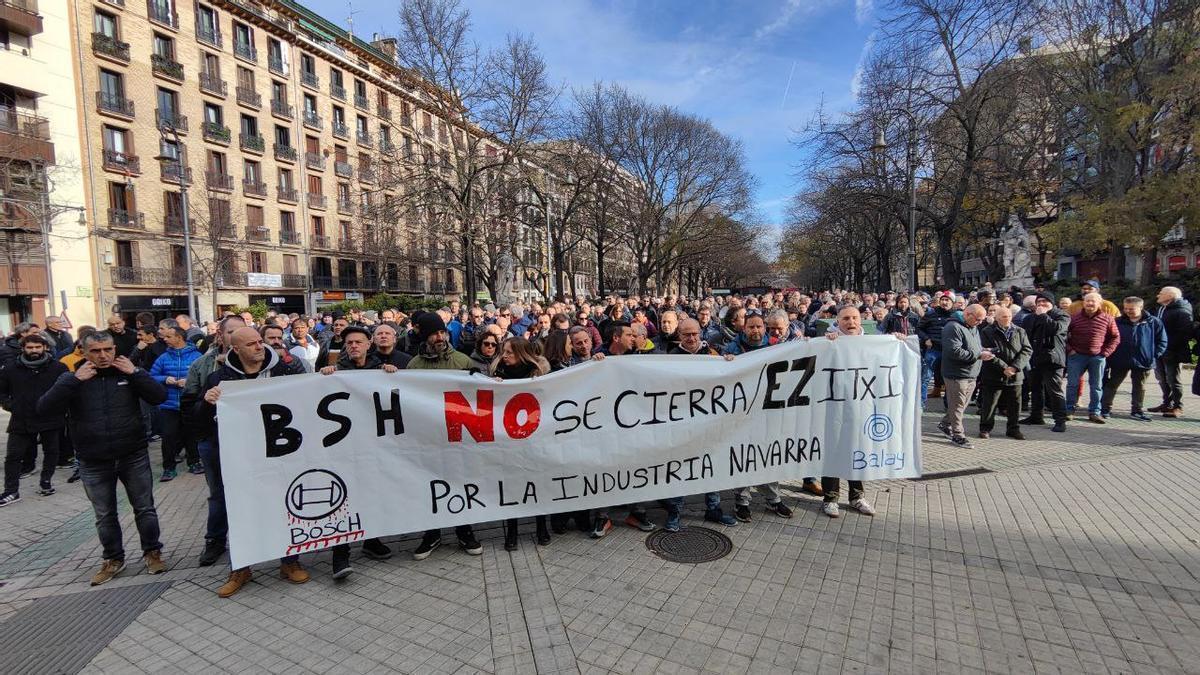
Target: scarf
(35, 363)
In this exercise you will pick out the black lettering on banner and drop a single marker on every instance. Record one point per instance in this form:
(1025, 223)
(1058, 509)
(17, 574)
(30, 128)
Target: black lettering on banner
(655, 395)
(382, 415)
(588, 412)
(832, 396)
(562, 486)
(773, 371)
(716, 399)
(281, 439)
(809, 365)
(892, 393)
(695, 398)
(567, 418)
(325, 413)
(617, 409)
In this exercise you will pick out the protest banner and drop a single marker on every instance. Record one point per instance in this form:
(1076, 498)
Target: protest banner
(311, 461)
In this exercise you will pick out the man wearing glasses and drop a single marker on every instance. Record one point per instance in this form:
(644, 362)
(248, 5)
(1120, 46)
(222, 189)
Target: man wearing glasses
(471, 330)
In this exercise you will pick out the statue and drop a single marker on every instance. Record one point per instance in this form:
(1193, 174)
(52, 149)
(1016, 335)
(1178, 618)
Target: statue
(1018, 269)
(506, 267)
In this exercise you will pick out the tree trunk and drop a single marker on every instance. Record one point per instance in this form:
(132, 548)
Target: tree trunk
(950, 271)
(1116, 261)
(1146, 276)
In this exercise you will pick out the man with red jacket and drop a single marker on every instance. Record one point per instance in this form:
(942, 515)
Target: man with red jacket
(1092, 337)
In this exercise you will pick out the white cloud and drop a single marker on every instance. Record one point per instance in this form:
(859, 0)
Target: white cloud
(789, 12)
(864, 10)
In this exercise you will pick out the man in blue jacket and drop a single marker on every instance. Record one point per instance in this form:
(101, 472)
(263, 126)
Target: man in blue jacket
(171, 370)
(1143, 341)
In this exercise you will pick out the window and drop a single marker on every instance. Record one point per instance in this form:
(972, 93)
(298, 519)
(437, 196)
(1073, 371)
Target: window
(249, 126)
(178, 257)
(168, 105)
(314, 185)
(335, 78)
(339, 154)
(112, 87)
(243, 38)
(276, 56)
(428, 126)
(210, 65)
(278, 92)
(318, 224)
(310, 104)
(120, 198)
(173, 208)
(283, 136)
(383, 99)
(339, 117)
(256, 264)
(344, 229)
(213, 114)
(286, 182)
(127, 254)
(115, 142)
(385, 138)
(361, 125)
(343, 192)
(290, 264)
(207, 28)
(218, 212)
(164, 47)
(364, 161)
(217, 163)
(308, 65)
(287, 223)
(312, 144)
(105, 24)
(245, 78)
(254, 216)
(360, 88)
(251, 172)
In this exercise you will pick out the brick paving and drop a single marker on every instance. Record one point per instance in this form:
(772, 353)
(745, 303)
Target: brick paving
(1055, 561)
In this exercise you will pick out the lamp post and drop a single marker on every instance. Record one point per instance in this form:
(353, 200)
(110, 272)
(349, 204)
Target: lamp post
(881, 145)
(165, 128)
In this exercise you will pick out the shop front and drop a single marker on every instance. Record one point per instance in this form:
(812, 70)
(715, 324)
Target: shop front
(281, 303)
(161, 306)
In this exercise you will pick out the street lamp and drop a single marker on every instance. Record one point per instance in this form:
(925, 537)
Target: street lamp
(879, 147)
(165, 128)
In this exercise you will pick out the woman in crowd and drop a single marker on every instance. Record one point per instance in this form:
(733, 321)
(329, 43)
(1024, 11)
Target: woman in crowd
(519, 360)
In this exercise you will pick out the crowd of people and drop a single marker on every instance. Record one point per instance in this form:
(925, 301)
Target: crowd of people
(94, 403)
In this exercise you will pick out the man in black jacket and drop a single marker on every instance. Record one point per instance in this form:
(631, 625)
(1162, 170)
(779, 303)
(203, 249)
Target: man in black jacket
(103, 399)
(247, 359)
(21, 385)
(1176, 315)
(55, 330)
(1047, 329)
(1000, 379)
(122, 335)
(929, 330)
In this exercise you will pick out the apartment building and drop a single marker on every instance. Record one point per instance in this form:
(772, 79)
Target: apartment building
(40, 189)
(275, 123)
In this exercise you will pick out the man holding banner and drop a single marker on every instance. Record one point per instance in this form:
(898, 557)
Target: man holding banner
(849, 322)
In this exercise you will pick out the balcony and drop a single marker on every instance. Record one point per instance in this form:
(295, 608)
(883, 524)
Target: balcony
(285, 153)
(343, 169)
(25, 136)
(337, 91)
(173, 224)
(439, 287)
(239, 279)
(361, 102)
(282, 109)
(383, 111)
(344, 205)
(209, 34)
(248, 97)
(162, 13)
(246, 51)
(316, 201)
(252, 143)
(314, 160)
(275, 64)
(294, 280)
(20, 16)
(217, 180)
(366, 175)
(126, 220)
(252, 188)
(169, 119)
(385, 146)
(148, 276)
(363, 138)
(121, 163)
(114, 104)
(321, 241)
(167, 67)
(312, 120)
(406, 121)
(170, 172)
(310, 79)
(289, 237)
(212, 83)
(258, 234)
(217, 133)
(340, 130)
(110, 48)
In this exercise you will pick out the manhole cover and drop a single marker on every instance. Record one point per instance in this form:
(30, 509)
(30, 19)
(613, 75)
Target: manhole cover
(689, 545)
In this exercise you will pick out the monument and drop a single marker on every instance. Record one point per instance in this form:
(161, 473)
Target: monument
(506, 268)
(1018, 268)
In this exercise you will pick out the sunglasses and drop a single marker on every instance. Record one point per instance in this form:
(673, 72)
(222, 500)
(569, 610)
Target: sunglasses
(489, 343)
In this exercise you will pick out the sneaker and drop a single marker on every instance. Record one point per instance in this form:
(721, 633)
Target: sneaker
(1141, 416)
(108, 570)
(212, 552)
(1096, 419)
(45, 489)
(672, 524)
(831, 509)
(168, 475)
(742, 512)
(376, 550)
(427, 546)
(601, 526)
(26, 473)
(962, 442)
(1033, 420)
(1015, 433)
(780, 509)
(74, 477)
(154, 562)
(293, 572)
(640, 521)
(1106, 414)
(470, 545)
(944, 427)
(718, 516)
(1059, 426)
(196, 469)
(862, 506)
(341, 564)
(9, 498)
(237, 579)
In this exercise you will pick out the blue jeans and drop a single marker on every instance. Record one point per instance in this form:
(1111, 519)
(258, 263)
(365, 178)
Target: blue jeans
(218, 520)
(100, 478)
(712, 502)
(931, 361)
(1077, 364)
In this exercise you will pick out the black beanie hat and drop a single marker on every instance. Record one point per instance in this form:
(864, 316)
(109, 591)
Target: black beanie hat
(430, 323)
(1047, 296)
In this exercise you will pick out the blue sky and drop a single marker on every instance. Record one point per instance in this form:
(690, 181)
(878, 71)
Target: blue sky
(728, 61)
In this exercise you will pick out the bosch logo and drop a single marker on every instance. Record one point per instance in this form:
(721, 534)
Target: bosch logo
(315, 494)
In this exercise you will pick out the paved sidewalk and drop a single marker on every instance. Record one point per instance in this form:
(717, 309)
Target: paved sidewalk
(1075, 552)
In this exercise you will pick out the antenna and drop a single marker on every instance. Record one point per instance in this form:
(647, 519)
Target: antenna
(350, 19)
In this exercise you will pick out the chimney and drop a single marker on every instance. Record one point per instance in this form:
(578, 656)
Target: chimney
(1025, 45)
(385, 45)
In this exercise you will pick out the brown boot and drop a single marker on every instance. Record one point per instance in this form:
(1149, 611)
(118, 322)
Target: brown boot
(812, 487)
(237, 579)
(293, 572)
(154, 562)
(1173, 412)
(108, 570)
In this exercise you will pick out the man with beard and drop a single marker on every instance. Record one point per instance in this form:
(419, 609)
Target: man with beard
(332, 341)
(21, 385)
(436, 353)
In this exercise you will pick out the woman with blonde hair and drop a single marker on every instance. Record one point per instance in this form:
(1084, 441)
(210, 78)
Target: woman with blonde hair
(517, 360)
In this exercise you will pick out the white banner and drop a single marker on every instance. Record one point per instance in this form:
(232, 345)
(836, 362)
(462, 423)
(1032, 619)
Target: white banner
(311, 461)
